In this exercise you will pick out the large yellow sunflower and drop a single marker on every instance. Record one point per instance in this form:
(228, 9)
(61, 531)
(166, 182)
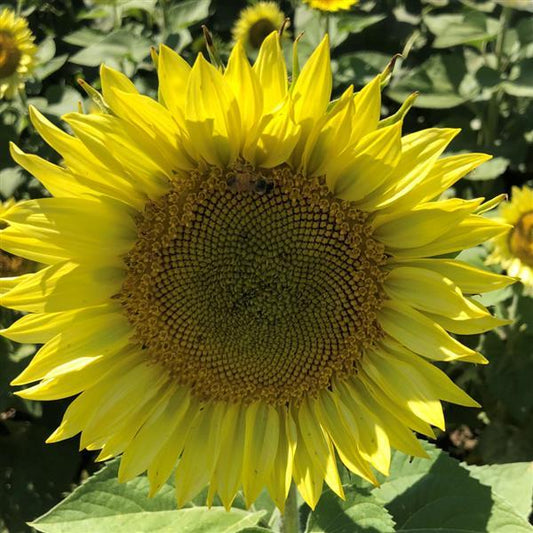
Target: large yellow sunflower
(16, 53)
(331, 5)
(242, 278)
(514, 249)
(256, 22)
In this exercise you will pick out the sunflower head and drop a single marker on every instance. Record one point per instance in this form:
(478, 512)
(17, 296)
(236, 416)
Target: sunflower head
(514, 250)
(16, 53)
(246, 279)
(331, 5)
(256, 22)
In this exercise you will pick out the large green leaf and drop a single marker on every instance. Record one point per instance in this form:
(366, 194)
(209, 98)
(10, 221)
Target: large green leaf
(113, 48)
(513, 482)
(360, 512)
(104, 504)
(521, 83)
(439, 495)
(443, 82)
(461, 28)
(184, 14)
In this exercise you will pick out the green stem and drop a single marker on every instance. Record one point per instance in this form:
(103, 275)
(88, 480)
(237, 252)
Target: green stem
(327, 23)
(290, 520)
(493, 108)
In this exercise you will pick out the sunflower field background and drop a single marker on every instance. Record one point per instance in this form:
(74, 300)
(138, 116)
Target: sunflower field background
(471, 63)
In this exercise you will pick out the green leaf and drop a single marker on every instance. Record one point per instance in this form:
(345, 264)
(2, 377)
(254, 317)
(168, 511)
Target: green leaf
(83, 37)
(513, 482)
(522, 82)
(443, 82)
(187, 13)
(359, 67)
(439, 495)
(10, 179)
(360, 512)
(489, 170)
(104, 504)
(44, 70)
(466, 28)
(113, 48)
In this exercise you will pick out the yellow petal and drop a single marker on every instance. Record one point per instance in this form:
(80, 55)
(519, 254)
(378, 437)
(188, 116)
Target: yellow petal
(58, 181)
(192, 473)
(307, 477)
(386, 397)
(330, 136)
(312, 90)
(105, 331)
(281, 474)
(470, 279)
(374, 159)
(153, 435)
(212, 115)
(272, 72)
(107, 138)
(400, 437)
(276, 141)
(422, 335)
(420, 151)
(165, 461)
(467, 233)
(444, 173)
(427, 376)
(173, 72)
(40, 328)
(423, 225)
(423, 402)
(260, 447)
(429, 291)
(244, 82)
(319, 448)
(343, 433)
(64, 286)
(112, 80)
(373, 442)
(76, 227)
(367, 110)
(227, 472)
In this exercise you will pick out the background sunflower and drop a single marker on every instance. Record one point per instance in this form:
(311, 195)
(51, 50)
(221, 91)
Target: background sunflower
(16, 53)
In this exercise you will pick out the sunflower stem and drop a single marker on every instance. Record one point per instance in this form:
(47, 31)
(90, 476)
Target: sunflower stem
(290, 519)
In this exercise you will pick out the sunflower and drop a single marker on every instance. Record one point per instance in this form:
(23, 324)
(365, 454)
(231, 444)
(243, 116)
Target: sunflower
(256, 22)
(514, 249)
(241, 278)
(331, 5)
(16, 53)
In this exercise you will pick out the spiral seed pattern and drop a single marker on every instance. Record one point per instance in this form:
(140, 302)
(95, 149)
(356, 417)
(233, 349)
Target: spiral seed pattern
(254, 284)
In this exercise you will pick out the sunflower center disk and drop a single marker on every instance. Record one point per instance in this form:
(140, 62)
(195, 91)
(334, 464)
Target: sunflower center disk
(521, 239)
(251, 285)
(260, 31)
(9, 54)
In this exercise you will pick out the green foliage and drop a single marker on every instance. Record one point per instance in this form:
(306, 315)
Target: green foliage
(435, 494)
(472, 62)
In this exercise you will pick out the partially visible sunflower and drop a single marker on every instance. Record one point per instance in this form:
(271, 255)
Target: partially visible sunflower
(245, 279)
(12, 265)
(514, 250)
(256, 22)
(17, 53)
(331, 5)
